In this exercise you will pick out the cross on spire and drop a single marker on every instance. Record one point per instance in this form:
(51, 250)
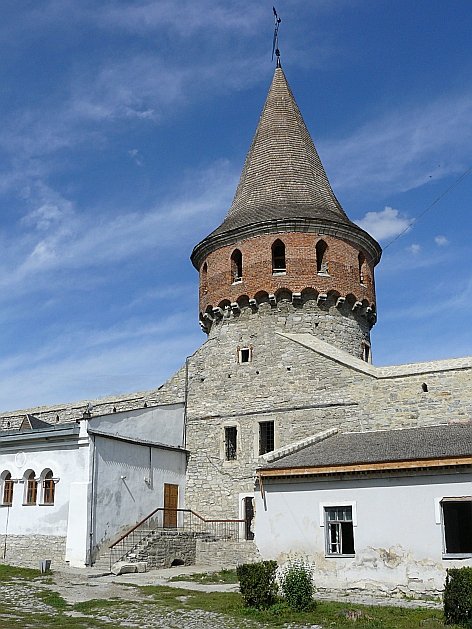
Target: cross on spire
(275, 41)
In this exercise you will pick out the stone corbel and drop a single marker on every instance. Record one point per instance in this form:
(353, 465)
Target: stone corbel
(217, 312)
(357, 306)
(296, 298)
(322, 297)
(235, 307)
(340, 302)
(253, 303)
(272, 299)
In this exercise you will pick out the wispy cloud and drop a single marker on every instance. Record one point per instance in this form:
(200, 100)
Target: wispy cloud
(405, 148)
(441, 241)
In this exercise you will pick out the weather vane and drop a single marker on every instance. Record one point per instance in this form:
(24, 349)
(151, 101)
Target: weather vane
(275, 43)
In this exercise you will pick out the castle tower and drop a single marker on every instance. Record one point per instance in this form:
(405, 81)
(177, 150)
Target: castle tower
(286, 252)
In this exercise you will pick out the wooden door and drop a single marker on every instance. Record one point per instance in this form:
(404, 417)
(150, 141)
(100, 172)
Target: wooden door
(171, 503)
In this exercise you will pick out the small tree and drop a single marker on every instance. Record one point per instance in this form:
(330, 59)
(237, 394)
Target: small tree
(296, 583)
(458, 597)
(257, 583)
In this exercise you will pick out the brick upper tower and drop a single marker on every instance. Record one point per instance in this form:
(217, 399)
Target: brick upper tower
(287, 250)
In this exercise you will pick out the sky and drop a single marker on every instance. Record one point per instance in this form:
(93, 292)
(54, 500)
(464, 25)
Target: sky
(124, 127)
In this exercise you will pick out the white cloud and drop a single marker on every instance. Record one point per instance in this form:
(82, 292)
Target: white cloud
(136, 157)
(387, 223)
(405, 148)
(441, 241)
(415, 248)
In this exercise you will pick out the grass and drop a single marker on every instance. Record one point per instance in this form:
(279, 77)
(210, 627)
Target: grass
(8, 573)
(328, 614)
(209, 578)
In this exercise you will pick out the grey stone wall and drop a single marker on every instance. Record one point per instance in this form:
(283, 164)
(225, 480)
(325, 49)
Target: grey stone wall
(168, 547)
(226, 554)
(303, 392)
(29, 550)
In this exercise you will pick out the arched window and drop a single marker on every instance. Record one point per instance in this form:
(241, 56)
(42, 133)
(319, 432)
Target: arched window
(361, 261)
(322, 257)
(48, 487)
(203, 276)
(278, 257)
(237, 265)
(7, 497)
(31, 488)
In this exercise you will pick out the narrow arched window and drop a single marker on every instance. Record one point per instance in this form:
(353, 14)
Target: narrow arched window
(31, 492)
(203, 276)
(7, 497)
(322, 257)
(361, 262)
(278, 257)
(237, 265)
(48, 488)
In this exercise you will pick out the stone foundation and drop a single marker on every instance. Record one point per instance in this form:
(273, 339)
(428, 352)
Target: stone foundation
(226, 554)
(29, 550)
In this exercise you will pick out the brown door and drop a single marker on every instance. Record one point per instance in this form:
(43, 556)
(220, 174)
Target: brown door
(171, 502)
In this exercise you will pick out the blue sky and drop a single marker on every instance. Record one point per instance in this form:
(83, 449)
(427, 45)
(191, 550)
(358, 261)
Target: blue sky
(124, 129)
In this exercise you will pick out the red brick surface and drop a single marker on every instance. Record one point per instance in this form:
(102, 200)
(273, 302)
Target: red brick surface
(301, 272)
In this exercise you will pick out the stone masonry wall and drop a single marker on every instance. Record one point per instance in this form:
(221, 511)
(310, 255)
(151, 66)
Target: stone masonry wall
(304, 393)
(29, 550)
(226, 554)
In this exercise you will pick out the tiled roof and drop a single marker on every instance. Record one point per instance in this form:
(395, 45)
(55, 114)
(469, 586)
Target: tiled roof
(283, 185)
(409, 444)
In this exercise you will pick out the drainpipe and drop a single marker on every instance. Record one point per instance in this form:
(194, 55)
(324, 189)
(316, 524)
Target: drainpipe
(91, 503)
(6, 533)
(184, 436)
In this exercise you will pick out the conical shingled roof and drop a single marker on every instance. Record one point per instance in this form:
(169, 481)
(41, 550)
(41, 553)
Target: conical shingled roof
(283, 185)
(283, 175)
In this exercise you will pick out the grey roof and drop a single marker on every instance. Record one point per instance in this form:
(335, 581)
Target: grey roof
(409, 444)
(31, 422)
(283, 179)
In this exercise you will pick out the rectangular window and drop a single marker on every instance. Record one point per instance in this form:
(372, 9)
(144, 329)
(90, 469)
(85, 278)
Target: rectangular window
(457, 523)
(231, 435)
(245, 355)
(7, 491)
(266, 437)
(339, 531)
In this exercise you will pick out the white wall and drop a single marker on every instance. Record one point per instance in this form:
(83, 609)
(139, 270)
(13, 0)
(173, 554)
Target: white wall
(159, 424)
(128, 484)
(398, 537)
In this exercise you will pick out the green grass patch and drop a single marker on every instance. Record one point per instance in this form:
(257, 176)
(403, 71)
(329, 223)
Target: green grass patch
(7, 573)
(53, 599)
(98, 605)
(328, 614)
(209, 578)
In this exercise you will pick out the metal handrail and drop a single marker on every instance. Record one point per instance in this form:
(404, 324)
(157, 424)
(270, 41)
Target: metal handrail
(163, 509)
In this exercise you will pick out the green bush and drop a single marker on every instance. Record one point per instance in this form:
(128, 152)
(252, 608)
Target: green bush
(296, 583)
(458, 597)
(257, 583)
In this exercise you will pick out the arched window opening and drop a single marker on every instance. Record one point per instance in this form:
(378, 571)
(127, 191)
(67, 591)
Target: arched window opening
(366, 355)
(361, 260)
(237, 266)
(48, 487)
(7, 497)
(204, 273)
(322, 258)
(31, 492)
(278, 257)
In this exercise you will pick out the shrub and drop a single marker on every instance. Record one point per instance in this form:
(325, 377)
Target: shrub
(296, 583)
(257, 583)
(458, 597)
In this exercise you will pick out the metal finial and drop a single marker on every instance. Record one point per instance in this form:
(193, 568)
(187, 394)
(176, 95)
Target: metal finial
(275, 42)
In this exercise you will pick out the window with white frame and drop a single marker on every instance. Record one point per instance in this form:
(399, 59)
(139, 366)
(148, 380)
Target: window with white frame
(31, 488)
(7, 493)
(47, 487)
(457, 525)
(231, 441)
(339, 530)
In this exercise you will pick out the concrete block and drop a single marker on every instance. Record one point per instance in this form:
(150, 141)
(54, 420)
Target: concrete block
(124, 567)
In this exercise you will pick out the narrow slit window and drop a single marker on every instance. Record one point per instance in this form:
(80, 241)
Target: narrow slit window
(457, 525)
(366, 352)
(244, 354)
(339, 531)
(231, 437)
(48, 489)
(361, 267)
(266, 437)
(237, 265)
(31, 489)
(278, 257)
(7, 489)
(322, 258)
(204, 276)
